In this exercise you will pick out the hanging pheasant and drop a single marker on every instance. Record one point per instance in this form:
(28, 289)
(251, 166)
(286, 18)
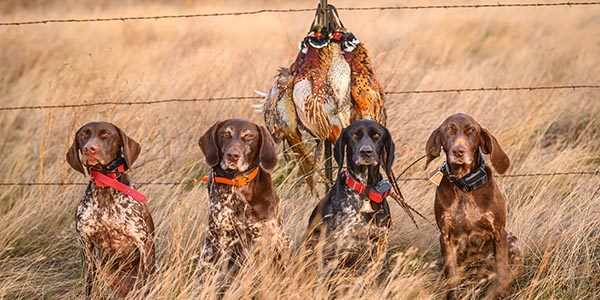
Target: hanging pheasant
(330, 84)
(316, 102)
(367, 94)
(281, 118)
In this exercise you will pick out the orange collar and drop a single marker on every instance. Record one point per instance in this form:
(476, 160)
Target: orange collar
(239, 180)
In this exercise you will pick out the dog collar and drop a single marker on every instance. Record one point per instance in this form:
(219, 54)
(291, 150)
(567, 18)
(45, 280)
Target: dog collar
(239, 180)
(470, 182)
(107, 177)
(376, 194)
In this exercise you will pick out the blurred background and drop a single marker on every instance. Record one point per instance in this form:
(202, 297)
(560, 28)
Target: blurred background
(557, 218)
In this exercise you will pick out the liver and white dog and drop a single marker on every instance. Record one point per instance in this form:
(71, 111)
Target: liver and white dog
(243, 205)
(114, 226)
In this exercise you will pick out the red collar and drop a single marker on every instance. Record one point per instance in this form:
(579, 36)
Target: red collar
(110, 180)
(361, 189)
(239, 180)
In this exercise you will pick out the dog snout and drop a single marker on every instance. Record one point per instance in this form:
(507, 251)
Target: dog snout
(90, 149)
(366, 151)
(233, 156)
(459, 151)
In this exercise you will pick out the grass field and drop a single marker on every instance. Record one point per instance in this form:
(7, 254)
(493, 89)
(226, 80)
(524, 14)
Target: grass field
(556, 218)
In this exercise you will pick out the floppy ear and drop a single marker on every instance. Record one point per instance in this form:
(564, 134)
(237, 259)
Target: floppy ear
(267, 154)
(73, 156)
(339, 149)
(389, 154)
(434, 146)
(491, 146)
(208, 144)
(131, 148)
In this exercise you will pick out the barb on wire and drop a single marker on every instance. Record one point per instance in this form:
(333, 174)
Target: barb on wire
(566, 173)
(237, 98)
(294, 10)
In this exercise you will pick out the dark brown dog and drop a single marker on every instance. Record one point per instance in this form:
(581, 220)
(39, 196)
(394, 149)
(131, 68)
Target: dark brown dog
(243, 205)
(355, 236)
(116, 232)
(470, 210)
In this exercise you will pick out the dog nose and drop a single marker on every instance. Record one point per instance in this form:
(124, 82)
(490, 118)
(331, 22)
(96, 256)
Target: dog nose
(91, 149)
(233, 156)
(366, 151)
(459, 151)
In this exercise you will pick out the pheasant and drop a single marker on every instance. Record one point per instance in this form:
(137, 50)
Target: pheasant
(281, 119)
(366, 92)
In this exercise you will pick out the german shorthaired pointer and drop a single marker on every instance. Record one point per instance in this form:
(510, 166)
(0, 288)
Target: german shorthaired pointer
(115, 229)
(470, 210)
(243, 205)
(354, 217)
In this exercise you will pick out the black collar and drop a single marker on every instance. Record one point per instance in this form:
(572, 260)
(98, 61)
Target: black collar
(113, 165)
(470, 182)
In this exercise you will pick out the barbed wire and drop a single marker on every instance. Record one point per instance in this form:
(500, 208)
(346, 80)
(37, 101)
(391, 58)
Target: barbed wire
(294, 10)
(236, 98)
(195, 181)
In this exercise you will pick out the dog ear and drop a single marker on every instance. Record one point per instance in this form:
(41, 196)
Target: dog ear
(131, 148)
(208, 144)
(339, 149)
(433, 146)
(389, 154)
(73, 156)
(267, 154)
(491, 146)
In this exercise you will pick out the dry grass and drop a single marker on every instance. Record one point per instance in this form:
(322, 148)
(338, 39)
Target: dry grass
(556, 218)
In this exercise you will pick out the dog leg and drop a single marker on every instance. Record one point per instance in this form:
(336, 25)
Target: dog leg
(449, 259)
(146, 265)
(208, 256)
(89, 266)
(502, 272)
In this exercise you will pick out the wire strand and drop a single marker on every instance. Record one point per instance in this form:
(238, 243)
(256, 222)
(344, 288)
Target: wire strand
(295, 10)
(238, 98)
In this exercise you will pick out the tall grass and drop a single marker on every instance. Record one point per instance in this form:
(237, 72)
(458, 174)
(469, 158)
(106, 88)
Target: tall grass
(557, 219)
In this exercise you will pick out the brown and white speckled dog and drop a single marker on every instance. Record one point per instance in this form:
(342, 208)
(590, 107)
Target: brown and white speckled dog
(351, 236)
(470, 210)
(243, 205)
(115, 231)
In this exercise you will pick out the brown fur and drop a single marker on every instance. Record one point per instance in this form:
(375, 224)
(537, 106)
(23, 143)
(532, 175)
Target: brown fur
(470, 221)
(239, 216)
(116, 232)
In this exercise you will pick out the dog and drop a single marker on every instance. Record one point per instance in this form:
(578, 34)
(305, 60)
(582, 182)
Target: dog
(114, 227)
(354, 218)
(470, 210)
(243, 206)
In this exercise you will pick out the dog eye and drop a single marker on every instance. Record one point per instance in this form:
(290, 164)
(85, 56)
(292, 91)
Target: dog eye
(226, 135)
(104, 135)
(355, 134)
(450, 130)
(248, 137)
(376, 136)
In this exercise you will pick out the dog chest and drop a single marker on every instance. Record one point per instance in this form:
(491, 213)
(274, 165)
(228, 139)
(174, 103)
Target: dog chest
(115, 227)
(467, 220)
(231, 217)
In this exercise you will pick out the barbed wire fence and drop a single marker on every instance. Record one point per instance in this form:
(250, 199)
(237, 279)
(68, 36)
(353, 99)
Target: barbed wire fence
(238, 98)
(296, 10)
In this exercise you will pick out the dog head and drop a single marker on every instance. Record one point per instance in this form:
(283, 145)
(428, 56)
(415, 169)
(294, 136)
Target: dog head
(460, 136)
(235, 145)
(365, 143)
(98, 143)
